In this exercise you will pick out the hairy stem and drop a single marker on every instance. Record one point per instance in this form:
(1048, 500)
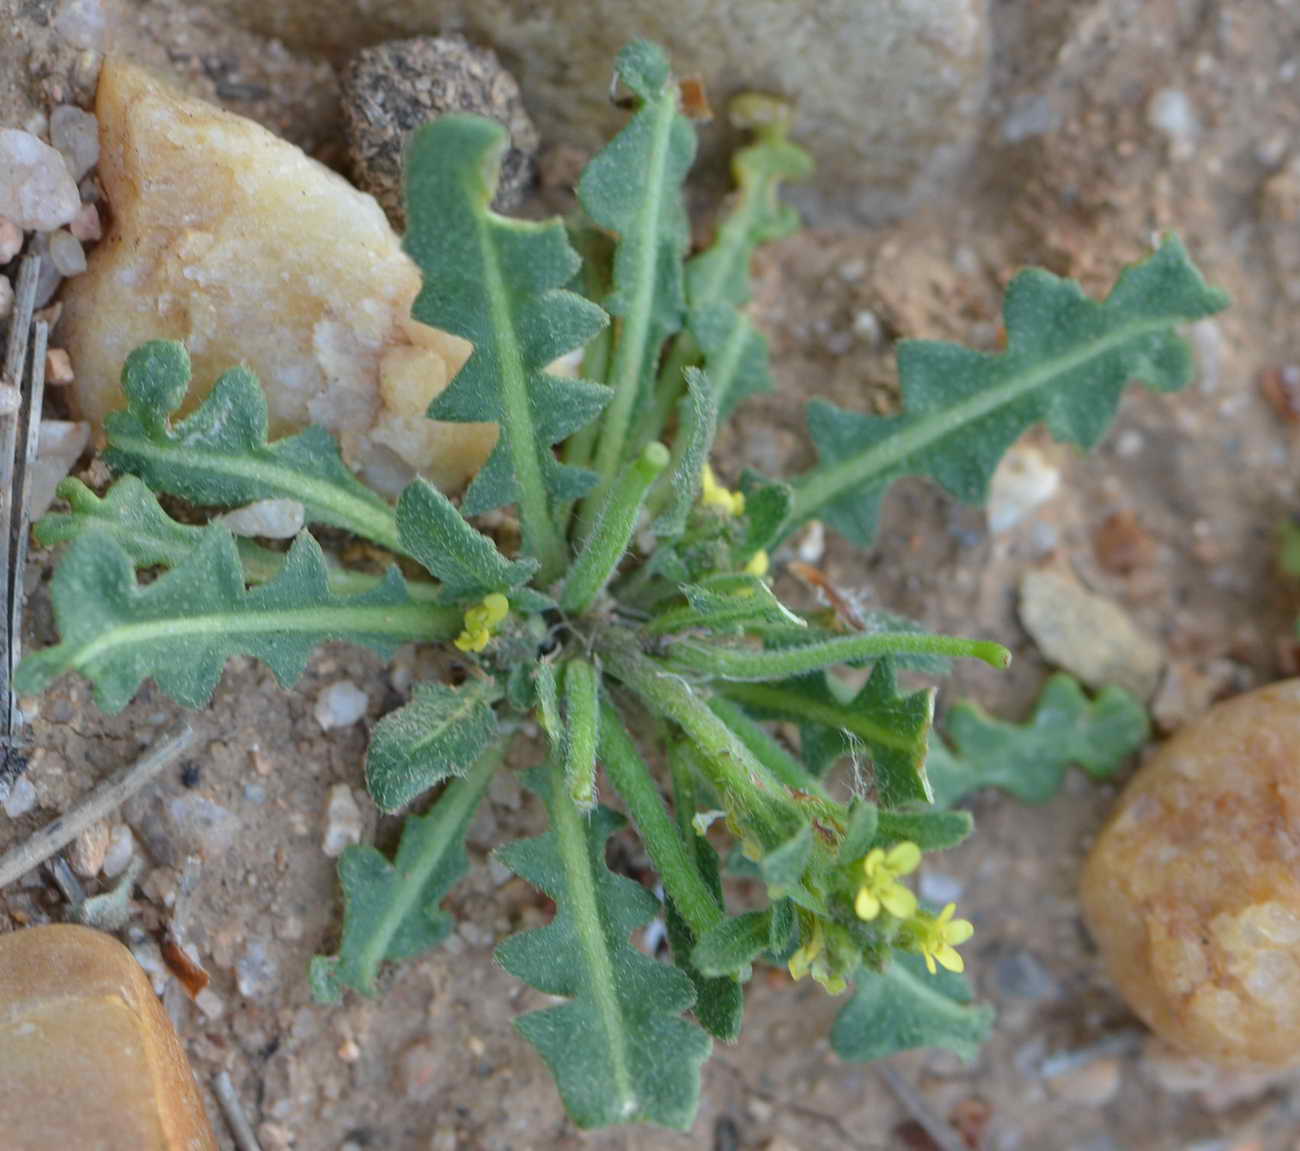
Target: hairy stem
(770, 753)
(582, 716)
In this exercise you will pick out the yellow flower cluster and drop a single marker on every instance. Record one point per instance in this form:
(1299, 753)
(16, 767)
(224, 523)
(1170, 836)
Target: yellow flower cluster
(937, 937)
(481, 621)
(714, 495)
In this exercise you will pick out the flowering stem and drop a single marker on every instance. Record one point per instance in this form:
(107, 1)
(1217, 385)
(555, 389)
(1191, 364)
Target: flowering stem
(582, 716)
(750, 664)
(607, 543)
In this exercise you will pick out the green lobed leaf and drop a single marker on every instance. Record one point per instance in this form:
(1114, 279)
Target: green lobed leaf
(893, 727)
(466, 561)
(180, 629)
(633, 189)
(499, 283)
(440, 732)
(929, 830)
(767, 508)
(1029, 760)
(390, 909)
(219, 455)
(697, 424)
(904, 1007)
(619, 1049)
(1067, 361)
(130, 513)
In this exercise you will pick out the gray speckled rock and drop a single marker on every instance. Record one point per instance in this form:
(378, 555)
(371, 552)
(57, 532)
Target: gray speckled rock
(889, 92)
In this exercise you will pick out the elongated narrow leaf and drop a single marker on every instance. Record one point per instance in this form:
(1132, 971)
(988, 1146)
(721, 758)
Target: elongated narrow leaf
(619, 1049)
(1067, 360)
(732, 945)
(390, 909)
(904, 1007)
(499, 283)
(181, 629)
(729, 604)
(892, 727)
(1029, 759)
(633, 189)
(441, 732)
(465, 560)
(696, 425)
(219, 455)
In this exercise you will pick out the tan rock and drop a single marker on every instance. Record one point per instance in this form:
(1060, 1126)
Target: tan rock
(1193, 889)
(243, 247)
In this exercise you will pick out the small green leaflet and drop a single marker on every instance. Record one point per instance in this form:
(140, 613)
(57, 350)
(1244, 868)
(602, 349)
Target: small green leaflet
(390, 910)
(181, 629)
(466, 561)
(633, 188)
(893, 727)
(219, 455)
(929, 830)
(439, 733)
(619, 1049)
(904, 1007)
(697, 423)
(767, 508)
(1029, 760)
(1068, 359)
(499, 283)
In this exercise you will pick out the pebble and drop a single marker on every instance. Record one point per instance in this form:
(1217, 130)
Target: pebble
(21, 798)
(203, 825)
(86, 225)
(867, 327)
(1121, 544)
(1023, 481)
(1207, 343)
(417, 1070)
(271, 519)
(75, 136)
(58, 368)
(6, 297)
(11, 239)
(83, 24)
(210, 1004)
(1171, 113)
(1022, 975)
(87, 852)
(257, 972)
(37, 192)
(1088, 635)
(59, 447)
(343, 821)
(67, 254)
(340, 704)
(812, 544)
(1092, 1084)
(121, 849)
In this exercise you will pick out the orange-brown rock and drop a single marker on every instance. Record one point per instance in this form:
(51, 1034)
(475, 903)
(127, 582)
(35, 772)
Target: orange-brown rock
(1193, 889)
(88, 1057)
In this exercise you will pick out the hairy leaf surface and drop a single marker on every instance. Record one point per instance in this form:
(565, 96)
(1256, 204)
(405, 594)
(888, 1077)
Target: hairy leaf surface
(1029, 759)
(1067, 360)
(619, 1049)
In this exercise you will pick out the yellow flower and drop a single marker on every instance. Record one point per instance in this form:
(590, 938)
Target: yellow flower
(811, 958)
(758, 563)
(938, 937)
(714, 495)
(881, 889)
(481, 622)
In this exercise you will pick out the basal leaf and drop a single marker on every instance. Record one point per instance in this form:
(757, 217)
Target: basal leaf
(180, 629)
(633, 189)
(1067, 360)
(439, 733)
(390, 909)
(904, 1007)
(892, 727)
(466, 561)
(1029, 760)
(219, 455)
(500, 284)
(619, 1049)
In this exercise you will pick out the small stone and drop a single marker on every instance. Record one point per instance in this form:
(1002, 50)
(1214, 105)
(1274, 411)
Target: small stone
(11, 239)
(1187, 689)
(83, 24)
(257, 972)
(59, 446)
(6, 297)
(67, 253)
(203, 825)
(121, 849)
(1021, 975)
(86, 225)
(1092, 1084)
(867, 327)
(1122, 545)
(1207, 343)
(340, 704)
(1088, 635)
(343, 822)
(1171, 113)
(58, 368)
(417, 1070)
(210, 1003)
(87, 852)
(36, 190)
(21, 798)
(811, 547)
(75, 135)
(1023, 480)
(272, 519)
(390, 89)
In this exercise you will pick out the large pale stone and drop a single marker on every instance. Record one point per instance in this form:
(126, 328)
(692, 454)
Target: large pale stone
(237, 243)
(1193, 889)
(888, 92)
